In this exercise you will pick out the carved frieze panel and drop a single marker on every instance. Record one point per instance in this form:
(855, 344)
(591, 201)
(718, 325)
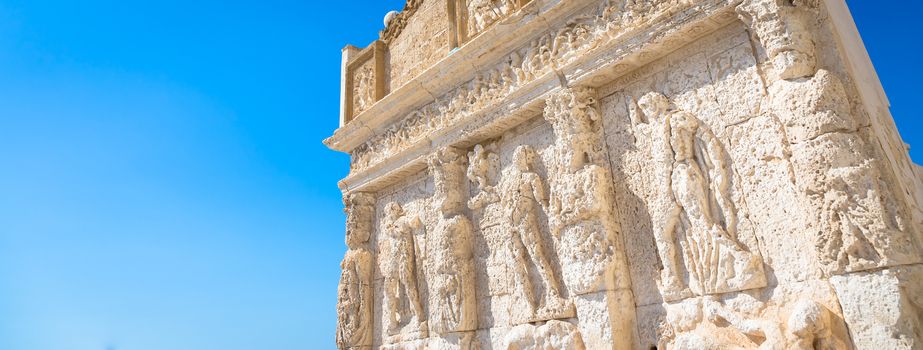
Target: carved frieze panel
(609, 22)
(476, 16)
(365, 80)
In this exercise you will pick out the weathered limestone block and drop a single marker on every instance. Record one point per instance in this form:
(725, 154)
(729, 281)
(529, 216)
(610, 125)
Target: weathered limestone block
(782, 29)
(760, 156)
(856, 227)
(416, 40)
(606, 319)
(884, 308)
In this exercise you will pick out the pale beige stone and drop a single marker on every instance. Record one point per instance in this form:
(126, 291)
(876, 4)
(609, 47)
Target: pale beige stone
(625, 174)
(884, 308)
(552, 335)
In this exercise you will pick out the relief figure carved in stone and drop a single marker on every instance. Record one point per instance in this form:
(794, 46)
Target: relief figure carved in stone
(402, 291)
(858, 224)
(360, 212)
(364, 90)
(709, 323)
(451, 256)
(354, 300)
(483, 13)
(483, 170)
(524, 197)
(581, 195)
(354, 294)
(701, 216)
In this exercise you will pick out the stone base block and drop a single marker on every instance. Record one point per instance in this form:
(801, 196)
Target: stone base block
(606, 319)
(884, 309)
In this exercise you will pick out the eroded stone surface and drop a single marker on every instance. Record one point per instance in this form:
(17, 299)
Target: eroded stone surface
(622, 174)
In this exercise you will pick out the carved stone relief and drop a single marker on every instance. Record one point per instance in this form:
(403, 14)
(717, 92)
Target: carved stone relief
(524, 199)
(697, 235)
(363, 88)
(608, 22)
(483, 13)
(552, 335)
(354, 295)
(402, 299)
(483, 172)
(782, 29)
(581, 194)
(731, 194)
(492, 255)
(453, 303)
(856, 226)
(365, 83)
(354, 300)
(744, 323)
(360, 216)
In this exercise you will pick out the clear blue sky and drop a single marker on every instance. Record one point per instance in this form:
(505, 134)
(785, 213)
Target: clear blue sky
(163, 185)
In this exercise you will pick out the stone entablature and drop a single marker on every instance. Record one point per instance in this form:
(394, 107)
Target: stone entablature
(396, 125)
(625, 174)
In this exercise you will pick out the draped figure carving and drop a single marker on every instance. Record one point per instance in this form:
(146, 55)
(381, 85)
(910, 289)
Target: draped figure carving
(402, 291)
(701, 215)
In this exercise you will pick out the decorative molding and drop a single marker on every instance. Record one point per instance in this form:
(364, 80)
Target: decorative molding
(556, 48)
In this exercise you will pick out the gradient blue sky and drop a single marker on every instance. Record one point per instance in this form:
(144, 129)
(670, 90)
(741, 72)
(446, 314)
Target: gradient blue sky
(163, 185)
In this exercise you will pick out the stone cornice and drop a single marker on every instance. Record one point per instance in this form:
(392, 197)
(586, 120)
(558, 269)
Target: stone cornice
(455, 69)
(595, 64)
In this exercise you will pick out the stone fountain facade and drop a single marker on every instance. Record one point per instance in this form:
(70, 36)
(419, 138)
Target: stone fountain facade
(625, 174)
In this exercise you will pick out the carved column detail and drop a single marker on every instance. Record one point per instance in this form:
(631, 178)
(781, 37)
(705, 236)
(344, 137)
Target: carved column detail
(580, 203)
(450, 260)
(781, 27)
(354, 294)
(582, 219)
